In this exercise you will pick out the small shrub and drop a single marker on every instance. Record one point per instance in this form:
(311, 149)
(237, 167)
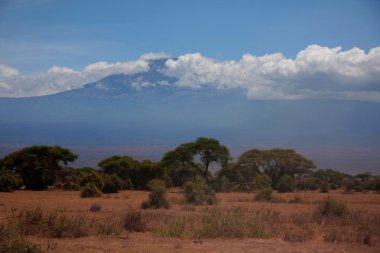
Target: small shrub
(91, 177)
(324, 187)
(31, 221)
(90, 191)
(285, 184)
(261, 182)
(157, 197)
(264, 195)
(112, 183)
(198, 193)
(332, 208)
(133, 221)
(95, 208)
(12, 241)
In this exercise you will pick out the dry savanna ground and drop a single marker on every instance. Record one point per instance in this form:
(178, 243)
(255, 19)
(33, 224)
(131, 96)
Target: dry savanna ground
(236, 224)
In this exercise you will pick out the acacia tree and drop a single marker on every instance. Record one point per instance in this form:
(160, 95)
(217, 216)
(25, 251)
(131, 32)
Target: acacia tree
(275, 163)
(38, 165)
(199, 154)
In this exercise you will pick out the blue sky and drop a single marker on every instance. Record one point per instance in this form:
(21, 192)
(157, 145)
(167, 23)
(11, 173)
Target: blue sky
(35, 35)
(285, 49)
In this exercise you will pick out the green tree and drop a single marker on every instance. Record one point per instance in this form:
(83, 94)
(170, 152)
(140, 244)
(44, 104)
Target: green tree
(38, 165)
(199, 154)
(275, 163)
(331, 176)
(127, 168)
(124, 166)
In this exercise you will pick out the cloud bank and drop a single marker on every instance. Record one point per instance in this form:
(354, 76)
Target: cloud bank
(315, 72)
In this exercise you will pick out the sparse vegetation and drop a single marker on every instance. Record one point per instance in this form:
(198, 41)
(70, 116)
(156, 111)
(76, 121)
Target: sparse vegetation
(332, 208)
(133, 221)
(238, 216)
(11, 240)
(296, 199)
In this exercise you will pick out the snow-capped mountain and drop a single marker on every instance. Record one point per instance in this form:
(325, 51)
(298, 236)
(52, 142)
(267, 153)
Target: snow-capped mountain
(148, 108)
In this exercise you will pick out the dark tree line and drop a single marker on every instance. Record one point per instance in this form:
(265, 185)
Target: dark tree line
(39, 167)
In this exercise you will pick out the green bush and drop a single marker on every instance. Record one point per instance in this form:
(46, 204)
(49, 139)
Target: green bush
(157, 197)
(90, 191)
(332, 208)
(324, 187)
(285, 184)
(9, 182)
(264, 195)
(261, 182)
(112, 183)
(198, 193)
(91, 177)
(309, 183)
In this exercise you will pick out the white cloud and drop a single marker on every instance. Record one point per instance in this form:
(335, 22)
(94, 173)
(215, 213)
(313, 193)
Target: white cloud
(6, 71)
(101, 69)
(154, 56)
(315, 72)
(56, 79)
